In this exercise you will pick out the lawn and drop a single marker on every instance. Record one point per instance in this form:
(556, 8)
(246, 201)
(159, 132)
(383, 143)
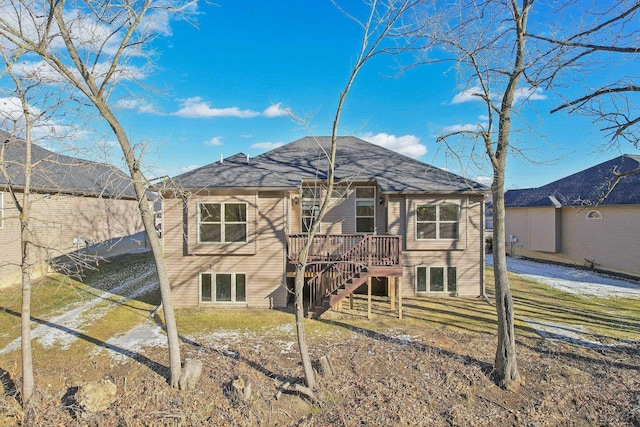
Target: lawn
(578, 354)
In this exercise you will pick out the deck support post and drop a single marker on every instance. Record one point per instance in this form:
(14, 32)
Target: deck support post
(369, 297)
(399, 290)
(351, 301)
(391, 291)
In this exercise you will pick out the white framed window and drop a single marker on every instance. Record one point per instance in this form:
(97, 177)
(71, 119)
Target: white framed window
(222, 222)
(436, 279)
(365, 209)
(435, 222)
(311, 198)
(594, 215)
(223, 287)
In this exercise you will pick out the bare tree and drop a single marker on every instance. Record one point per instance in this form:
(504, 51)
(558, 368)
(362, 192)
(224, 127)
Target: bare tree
(605, 38)
(23, 206)
(379, 25)
(92, 45)
(503, 64)
(485, 40)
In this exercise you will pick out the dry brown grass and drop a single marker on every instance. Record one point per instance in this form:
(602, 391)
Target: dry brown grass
(431, 368)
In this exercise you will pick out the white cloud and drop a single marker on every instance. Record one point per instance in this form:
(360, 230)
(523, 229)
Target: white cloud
(468, 95)
(472, 94)
(468, 127)
(276, 111)
(267, 145)
(408, 145)
(485, 180)
(530, 94)
(188, 168)
(479, 126)
(11, 114)
(215, 141)
(197, 108)
(136, 105)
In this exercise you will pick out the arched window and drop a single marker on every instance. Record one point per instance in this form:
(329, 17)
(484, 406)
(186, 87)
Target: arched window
(594, 215)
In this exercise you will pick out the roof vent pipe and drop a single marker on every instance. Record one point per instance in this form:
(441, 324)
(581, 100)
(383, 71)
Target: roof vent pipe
(247, 159)
(221, 159)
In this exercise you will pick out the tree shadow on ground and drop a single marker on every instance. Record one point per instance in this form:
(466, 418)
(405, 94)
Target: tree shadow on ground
(151, 364)
(8, 384)
(466, 360)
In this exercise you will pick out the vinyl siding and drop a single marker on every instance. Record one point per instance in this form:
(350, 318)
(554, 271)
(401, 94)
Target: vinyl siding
(263, 264)
(341, 215)
(466, 255)
(611, 242)
(57, 219)
(276, 213)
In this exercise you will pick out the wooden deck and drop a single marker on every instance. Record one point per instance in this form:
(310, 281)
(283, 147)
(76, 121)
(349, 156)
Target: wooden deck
(338, 264)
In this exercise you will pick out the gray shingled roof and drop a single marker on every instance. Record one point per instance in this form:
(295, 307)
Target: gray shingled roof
(356, 160)
(587, 187)
(57, 173)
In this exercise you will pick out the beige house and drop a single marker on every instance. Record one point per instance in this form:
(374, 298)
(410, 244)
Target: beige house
(590, 218)
(76, 205)
(232, 229)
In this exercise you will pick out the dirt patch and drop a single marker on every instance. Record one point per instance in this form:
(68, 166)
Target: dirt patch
(434, 377)
(580, 360)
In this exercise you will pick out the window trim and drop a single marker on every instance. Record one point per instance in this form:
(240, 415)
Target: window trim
(223, 222)
(367, 199)
(428, 291)
(213, 287)
(437, 222)
(314, 201)
(594, 214)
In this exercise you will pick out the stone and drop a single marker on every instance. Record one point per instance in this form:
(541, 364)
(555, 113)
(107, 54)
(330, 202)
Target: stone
(191, 371)
(96, 396)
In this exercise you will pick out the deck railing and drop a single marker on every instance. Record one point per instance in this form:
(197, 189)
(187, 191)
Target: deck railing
(364, 249)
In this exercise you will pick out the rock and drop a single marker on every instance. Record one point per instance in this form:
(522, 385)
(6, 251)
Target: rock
(96, 396)
(190, 374)
(241, 389)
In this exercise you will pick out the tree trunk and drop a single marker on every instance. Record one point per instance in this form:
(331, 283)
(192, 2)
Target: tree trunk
(309, 375)
(505, 369)
(154, 242)
(25, 312)
(26, 267)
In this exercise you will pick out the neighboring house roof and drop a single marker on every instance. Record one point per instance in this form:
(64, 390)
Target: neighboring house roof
(585, 188)
(307, 159)
(57, 173)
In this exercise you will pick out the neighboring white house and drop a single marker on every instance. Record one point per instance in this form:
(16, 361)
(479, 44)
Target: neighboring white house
(590, 218)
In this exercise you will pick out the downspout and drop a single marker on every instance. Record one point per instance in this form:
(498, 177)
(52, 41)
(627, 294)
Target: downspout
(286, 202)
(483, 219)
(483, 257)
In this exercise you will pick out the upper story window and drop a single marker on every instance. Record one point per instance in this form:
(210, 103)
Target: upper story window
(439, 221)
(594, 215)
(222, 222)
(365, 209)
(311, 198)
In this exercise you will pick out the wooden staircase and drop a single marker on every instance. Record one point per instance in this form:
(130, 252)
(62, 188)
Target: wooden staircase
(336, 271)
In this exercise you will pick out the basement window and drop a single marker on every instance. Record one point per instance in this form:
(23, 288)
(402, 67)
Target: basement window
(431, 279)
(223, 287)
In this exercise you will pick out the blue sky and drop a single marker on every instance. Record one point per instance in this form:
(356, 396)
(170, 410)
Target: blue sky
(224, 86)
